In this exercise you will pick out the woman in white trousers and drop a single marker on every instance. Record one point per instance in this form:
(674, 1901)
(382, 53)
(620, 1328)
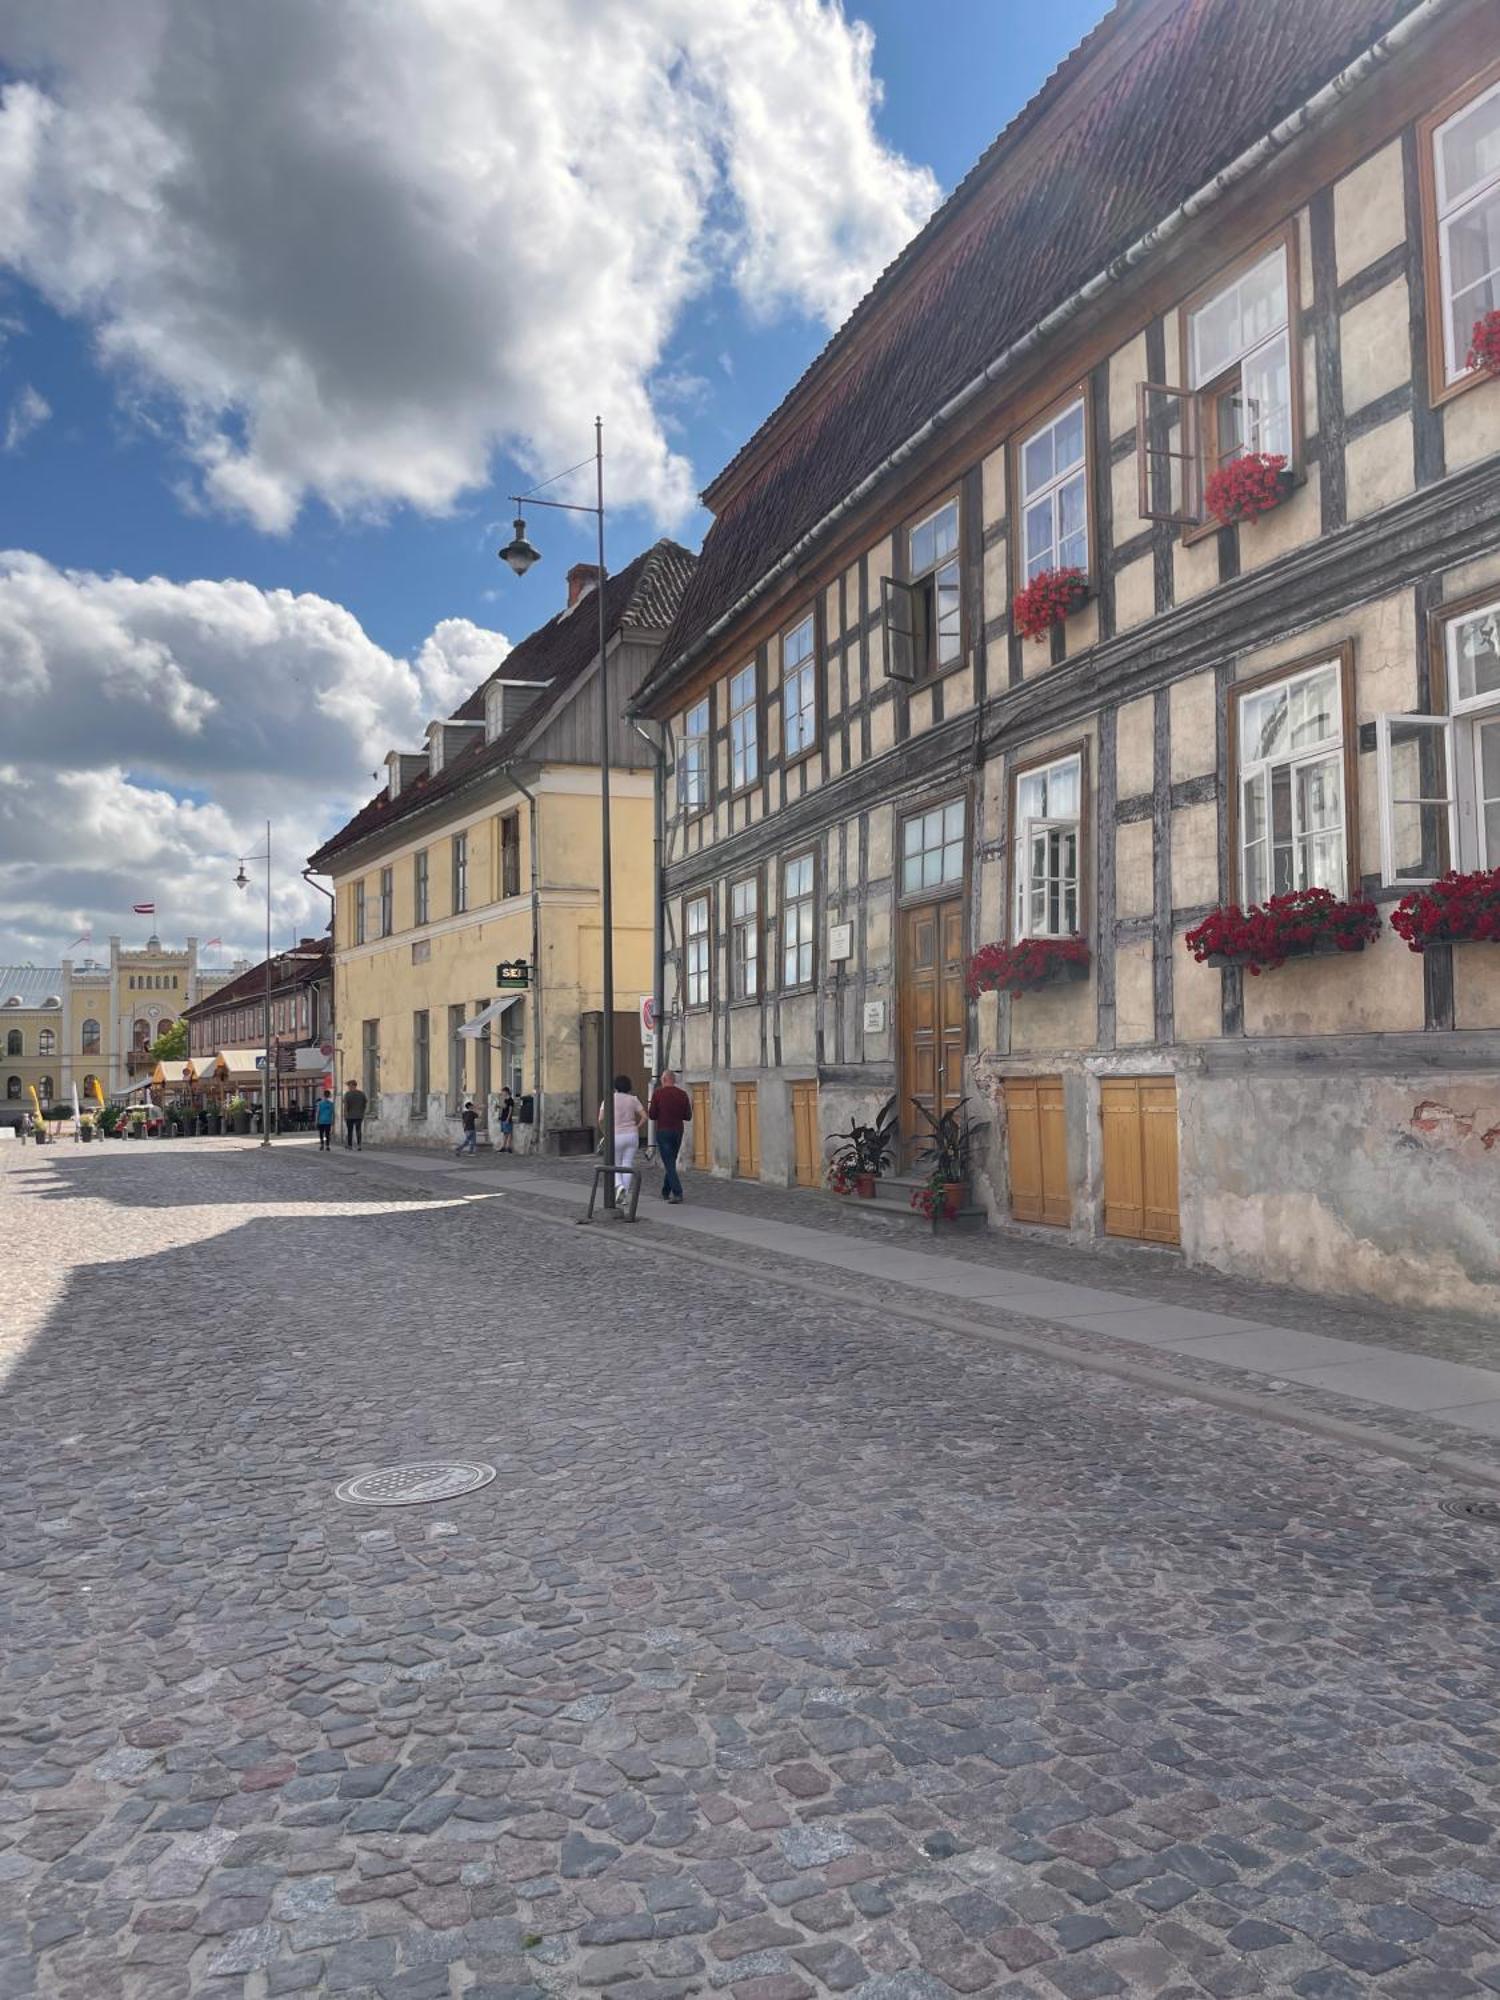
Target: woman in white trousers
(630, 1121)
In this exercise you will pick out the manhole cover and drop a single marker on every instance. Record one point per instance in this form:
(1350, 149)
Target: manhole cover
(410, 1485)
(1472, 1510)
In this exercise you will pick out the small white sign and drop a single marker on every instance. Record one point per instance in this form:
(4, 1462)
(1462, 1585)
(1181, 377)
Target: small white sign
(841, 940)
(874, 1017)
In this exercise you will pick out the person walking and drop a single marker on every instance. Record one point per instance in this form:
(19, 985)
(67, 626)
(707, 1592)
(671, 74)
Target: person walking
(324, 1120)
(671, 1111)
(355, 1104)
(629, 1115)
(470, 1141)
(507, 1123)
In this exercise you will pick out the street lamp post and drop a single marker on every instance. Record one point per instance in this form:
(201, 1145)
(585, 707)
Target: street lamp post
(519, 555)
(242, 882)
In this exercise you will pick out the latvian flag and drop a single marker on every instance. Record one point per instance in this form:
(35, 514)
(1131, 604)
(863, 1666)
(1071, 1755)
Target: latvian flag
(144, 909)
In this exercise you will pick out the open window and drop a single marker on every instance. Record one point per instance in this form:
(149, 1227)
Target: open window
(1440, 774)
(1053, 469)
(1291, 783)
(924, 612)
(1048, 818)
(1460, 170)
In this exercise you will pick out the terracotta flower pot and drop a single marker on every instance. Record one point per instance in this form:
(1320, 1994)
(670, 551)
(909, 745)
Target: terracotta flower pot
(864, 1186)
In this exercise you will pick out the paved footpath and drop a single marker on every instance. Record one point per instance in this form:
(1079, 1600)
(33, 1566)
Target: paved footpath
(800, 1646)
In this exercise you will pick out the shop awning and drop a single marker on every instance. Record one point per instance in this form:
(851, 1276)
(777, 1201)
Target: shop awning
(472, 1030)
(240, 1062)
(164, 1074)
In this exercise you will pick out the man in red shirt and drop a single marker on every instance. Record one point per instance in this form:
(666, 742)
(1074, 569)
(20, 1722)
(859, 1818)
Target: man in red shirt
(670, 1110)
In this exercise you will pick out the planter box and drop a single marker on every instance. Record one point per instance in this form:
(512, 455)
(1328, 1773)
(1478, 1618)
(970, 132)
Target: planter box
(1323, 947)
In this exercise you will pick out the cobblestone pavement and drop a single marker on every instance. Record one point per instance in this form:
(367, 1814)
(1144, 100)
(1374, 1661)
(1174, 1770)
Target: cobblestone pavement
(796, 1648)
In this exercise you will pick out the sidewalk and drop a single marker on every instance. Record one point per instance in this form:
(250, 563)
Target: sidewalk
(1375, 1365)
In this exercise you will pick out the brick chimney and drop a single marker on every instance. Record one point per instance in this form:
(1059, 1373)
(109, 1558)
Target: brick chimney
(581, 577)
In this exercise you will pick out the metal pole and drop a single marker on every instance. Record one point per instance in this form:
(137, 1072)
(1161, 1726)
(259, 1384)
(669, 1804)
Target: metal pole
(606, 887)
(265, 1089)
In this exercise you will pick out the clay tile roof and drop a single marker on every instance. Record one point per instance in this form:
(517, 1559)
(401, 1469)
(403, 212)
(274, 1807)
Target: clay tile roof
(643, 597)
(310, 961)
(1167, 109)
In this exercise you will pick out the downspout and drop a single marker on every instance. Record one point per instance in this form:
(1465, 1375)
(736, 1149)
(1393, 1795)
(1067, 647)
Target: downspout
(1250, 161)
(534, 841)
(658, 903)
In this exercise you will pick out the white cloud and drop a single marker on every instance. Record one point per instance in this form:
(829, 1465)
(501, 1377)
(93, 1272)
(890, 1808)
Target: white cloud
(29, 410)
(353, 248)
(151, 728)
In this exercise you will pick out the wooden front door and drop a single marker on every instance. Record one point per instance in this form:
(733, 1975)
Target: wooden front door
(1139, 1117)
(747, 1131)
(933, 1016)
(701, 1129)
(1038, 1149)
(805, 1147)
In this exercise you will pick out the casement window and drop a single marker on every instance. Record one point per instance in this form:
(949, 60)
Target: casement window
(420, 893)
(421, 1062)
(696, 948)
(1290, 777)
(1054, 494)
(744, 939)
(510, 854)
(90, 1041)
(1047, 813)
(693, 773)
(387, 902)
(798, 878)
(46, 1041)
(799, 690)
(1462, 194)
(359, 913)
(744, 728)
(932, 848)
(923, 614)
(1240, 347)
(1440, 774)
(460, 873)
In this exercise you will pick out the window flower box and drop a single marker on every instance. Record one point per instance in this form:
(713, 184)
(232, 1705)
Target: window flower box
(1051, 596)
(1484, 347)
(1304, 923)
(1244, 488)
(1027, 965)
(1459, 909)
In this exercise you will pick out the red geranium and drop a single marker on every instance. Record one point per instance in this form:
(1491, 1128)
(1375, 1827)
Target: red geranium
(1017, 968)
(1268, 934)
(1460, 909)
(1484, 344)
(1243, 488)
(1051, 596)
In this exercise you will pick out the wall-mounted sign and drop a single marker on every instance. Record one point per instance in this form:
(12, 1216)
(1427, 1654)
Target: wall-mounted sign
(874, 1017)
(648, 1014)
(511, 973)
(841, 940)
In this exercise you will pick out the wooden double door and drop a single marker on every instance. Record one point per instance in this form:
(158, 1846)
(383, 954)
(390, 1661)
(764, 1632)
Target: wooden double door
(933, 1017)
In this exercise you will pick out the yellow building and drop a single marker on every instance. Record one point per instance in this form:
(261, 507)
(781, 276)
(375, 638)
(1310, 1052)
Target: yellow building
(482, 851)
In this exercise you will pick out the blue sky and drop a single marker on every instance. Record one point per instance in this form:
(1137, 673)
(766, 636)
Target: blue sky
(148, 461)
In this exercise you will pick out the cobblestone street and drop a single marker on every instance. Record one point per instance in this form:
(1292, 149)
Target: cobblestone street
(797, 1648)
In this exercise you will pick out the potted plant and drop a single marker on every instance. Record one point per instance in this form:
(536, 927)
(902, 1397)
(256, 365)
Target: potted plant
(237, 1113)
(1484, 344)
(213, 1121)
(840, 1179)
(864, 1153)
(1458, 909)
(948, 1157)
(39, 1131)
(135, 1122)
(86, 1128)
(109, 1121)
(1244, 488)
(1301, 924)
(1027, 964)
(1051, 596)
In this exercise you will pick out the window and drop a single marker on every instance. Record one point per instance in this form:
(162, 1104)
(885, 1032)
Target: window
(46, 1042)
(1462, 194)
(797, 921)
(419, 887)
(799, 690)
(15, 1042)
(421, 1063)
(923, 616)
(744, 735)
(1290, 783)
(1054, 495)
(89, 1082)
(387, 902)
(695, 757)
(13, 1086)
(1048, 819)
(696, 940)
(744, 939)
(45, 1090)
(1440, 774)
(510, 854)
(457, 1049)
(359, 913)
(460, 873)
(370, 1060)
(89, 1042)
(932, 848)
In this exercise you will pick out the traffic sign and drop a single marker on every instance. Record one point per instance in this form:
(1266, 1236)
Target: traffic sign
(648, 1014)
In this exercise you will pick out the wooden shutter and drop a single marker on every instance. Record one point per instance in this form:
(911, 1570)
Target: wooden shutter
(747, 1131)
(1168, 466)
(1038, 1143)
(1124, 1196)
(1159, 1160)
(805, 1133)
(898, 603)
(702, 1128)
(1057, 1203)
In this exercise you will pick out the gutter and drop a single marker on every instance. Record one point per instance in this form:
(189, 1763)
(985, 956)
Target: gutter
(1203, 198)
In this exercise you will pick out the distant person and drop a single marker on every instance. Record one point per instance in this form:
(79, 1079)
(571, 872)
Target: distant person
(629, 1116)
(507, 1123)
(355, 1106)
(470, 1141)
(671, 1111)
(323, 1118)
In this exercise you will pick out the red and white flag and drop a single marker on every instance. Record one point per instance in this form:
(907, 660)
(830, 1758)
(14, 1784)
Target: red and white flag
(144, 909)
(211, 941)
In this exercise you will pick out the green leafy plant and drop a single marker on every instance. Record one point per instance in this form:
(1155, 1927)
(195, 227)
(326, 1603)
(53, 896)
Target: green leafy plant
(172, 1043)
(949, 1152)
(866, 1149)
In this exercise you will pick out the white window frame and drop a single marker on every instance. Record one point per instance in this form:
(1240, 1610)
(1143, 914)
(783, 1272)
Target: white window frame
(421, 888)
(1329, 748)
(460, 873)
(1449, 212)
(697, 952)
(696, 757)
(359, 912)
(1241, 358)
(799, 921)
(1442, 726)
(1461, 727)
(799, 692)
(1049, 493)
(927, 582)
(941, 845)
(744, 727)
(1047, 824)
(744, 939)
(387, 901)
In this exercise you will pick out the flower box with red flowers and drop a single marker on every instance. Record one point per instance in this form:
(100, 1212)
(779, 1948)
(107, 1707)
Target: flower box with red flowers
(1244, 488)
(1484, 344)
(1026, 965)
(1304, 923)
(1051, 596)
(1459, 909)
